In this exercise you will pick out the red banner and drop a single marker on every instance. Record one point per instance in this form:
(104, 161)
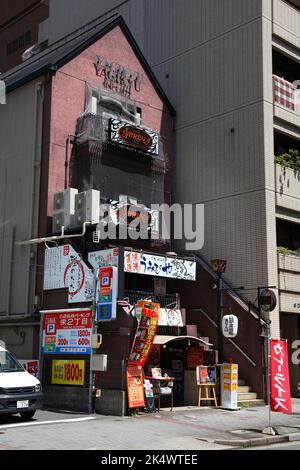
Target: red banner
(135, 387)
(280, 399)
(145, 334)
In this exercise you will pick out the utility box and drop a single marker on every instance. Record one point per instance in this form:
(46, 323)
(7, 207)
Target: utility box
(63, 209)
(87, 208)
(99, 363)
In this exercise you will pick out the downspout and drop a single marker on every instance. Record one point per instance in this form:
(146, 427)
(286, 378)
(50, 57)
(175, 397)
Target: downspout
(10, 270)
(67, 160)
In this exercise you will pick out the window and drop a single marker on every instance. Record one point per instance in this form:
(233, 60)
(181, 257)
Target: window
(19, 43)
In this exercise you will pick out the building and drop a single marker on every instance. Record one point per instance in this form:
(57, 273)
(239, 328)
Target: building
(19, 29)
(221, 64)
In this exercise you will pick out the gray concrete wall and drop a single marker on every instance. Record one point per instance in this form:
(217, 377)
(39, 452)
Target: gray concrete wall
(20, 153)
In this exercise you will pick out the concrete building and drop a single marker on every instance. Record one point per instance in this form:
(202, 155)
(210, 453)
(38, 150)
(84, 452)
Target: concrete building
(19, 29)
(218, 61)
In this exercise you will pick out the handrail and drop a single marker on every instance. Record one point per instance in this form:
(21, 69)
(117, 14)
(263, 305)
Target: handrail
(230, 340)
(243, 302)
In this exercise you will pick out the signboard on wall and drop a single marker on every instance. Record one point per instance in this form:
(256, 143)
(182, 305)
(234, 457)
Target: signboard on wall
(101, 258)
(67, 332)
(129, 135)
(67, 372)
(64, 269)
(159, 266)
(145, 334)
(107, 293)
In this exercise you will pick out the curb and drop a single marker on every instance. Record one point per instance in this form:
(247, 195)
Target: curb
(259, 441)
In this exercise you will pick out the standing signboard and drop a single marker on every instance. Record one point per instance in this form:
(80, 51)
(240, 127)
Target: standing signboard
(135, 387)
(67, 332)
(229, 386)
(280, 393)
(145, 334)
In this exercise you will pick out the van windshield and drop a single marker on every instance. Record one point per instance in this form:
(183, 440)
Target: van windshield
(8, 363)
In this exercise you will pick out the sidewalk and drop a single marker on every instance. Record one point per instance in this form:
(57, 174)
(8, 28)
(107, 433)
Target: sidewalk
(231, 428)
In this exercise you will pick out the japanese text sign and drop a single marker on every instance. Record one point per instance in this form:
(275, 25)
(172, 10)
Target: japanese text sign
(280, 399)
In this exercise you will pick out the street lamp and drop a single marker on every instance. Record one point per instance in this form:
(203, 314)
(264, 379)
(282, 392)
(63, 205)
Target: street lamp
(219, 267)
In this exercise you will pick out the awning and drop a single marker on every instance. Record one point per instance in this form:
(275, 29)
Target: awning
(161, 339)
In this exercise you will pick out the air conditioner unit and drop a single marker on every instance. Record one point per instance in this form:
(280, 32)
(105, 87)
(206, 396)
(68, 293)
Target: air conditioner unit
(63, 209)
(87, 207)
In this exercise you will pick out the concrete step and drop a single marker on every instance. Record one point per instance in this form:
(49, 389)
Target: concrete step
(244, 389)
(250, 403)
(247, 396)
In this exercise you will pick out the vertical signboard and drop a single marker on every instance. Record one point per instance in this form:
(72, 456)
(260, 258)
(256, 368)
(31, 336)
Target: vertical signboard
(230, 386)
(145, 334)
(107, 293)
(135, 387)
(280, 393)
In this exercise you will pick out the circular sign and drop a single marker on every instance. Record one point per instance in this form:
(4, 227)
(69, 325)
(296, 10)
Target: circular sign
(267, 300)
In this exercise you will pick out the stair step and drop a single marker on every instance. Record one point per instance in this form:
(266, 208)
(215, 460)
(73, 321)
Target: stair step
(247, 396)
(244, 389)
(250, 403)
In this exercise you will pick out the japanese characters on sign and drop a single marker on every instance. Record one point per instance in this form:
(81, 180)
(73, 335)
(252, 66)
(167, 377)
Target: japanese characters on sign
(67, 372)
(161, 266)
(280, 399)
(101, 258)
(145, 334)
(67, 332)
(64, 269)
(135, 387)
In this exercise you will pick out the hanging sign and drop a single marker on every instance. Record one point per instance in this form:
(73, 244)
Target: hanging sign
(145, 334)
(159, 266)
(267, 300)
(67, 332)
(280, 399)
(135, 387)
(133, 136)
(107, 293)
(102, 258)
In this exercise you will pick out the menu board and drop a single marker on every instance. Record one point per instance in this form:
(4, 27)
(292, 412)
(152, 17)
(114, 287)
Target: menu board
(206, 375)
(135, 387)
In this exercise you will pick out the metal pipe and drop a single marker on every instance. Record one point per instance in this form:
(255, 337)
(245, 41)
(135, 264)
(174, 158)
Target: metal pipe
(10, 269)
(38, 241)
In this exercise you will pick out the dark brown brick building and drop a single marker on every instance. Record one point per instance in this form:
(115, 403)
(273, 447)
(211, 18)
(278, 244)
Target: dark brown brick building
(19, 27)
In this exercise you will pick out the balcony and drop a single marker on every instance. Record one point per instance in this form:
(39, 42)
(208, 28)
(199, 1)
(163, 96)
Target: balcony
(286, 101)
(287, 188)
(289, 282)
(286, 21)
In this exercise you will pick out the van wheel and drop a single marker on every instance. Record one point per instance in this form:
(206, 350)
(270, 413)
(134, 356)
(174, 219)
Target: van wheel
(27, 414)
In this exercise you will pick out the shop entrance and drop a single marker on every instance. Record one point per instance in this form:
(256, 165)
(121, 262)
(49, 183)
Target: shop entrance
(178, 357)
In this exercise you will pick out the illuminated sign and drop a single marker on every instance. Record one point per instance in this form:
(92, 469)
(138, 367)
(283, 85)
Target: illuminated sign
(135, 137)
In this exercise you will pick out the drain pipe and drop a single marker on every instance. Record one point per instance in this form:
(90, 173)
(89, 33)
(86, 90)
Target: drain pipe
(63, 236)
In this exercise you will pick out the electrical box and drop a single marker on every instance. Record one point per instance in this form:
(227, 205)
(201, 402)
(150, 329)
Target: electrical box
(87, 208)
(96, 341)
(63, 209)
(99, 363)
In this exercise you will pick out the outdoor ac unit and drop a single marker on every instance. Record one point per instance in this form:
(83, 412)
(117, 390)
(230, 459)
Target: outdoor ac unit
(87, 207)
(63, 209)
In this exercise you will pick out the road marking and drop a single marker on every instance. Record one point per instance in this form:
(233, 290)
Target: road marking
(41, 423)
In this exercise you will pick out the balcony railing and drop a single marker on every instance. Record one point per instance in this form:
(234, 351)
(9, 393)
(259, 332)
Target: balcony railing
(289, 282)
(286, 22)
(287, 188)
(286, 100)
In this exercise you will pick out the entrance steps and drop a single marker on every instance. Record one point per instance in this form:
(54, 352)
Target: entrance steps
(246, 397)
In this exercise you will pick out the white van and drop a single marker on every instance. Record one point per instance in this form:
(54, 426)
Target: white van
(20, 392)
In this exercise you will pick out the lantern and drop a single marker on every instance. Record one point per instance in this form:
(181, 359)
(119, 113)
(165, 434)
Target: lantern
(230, 326)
